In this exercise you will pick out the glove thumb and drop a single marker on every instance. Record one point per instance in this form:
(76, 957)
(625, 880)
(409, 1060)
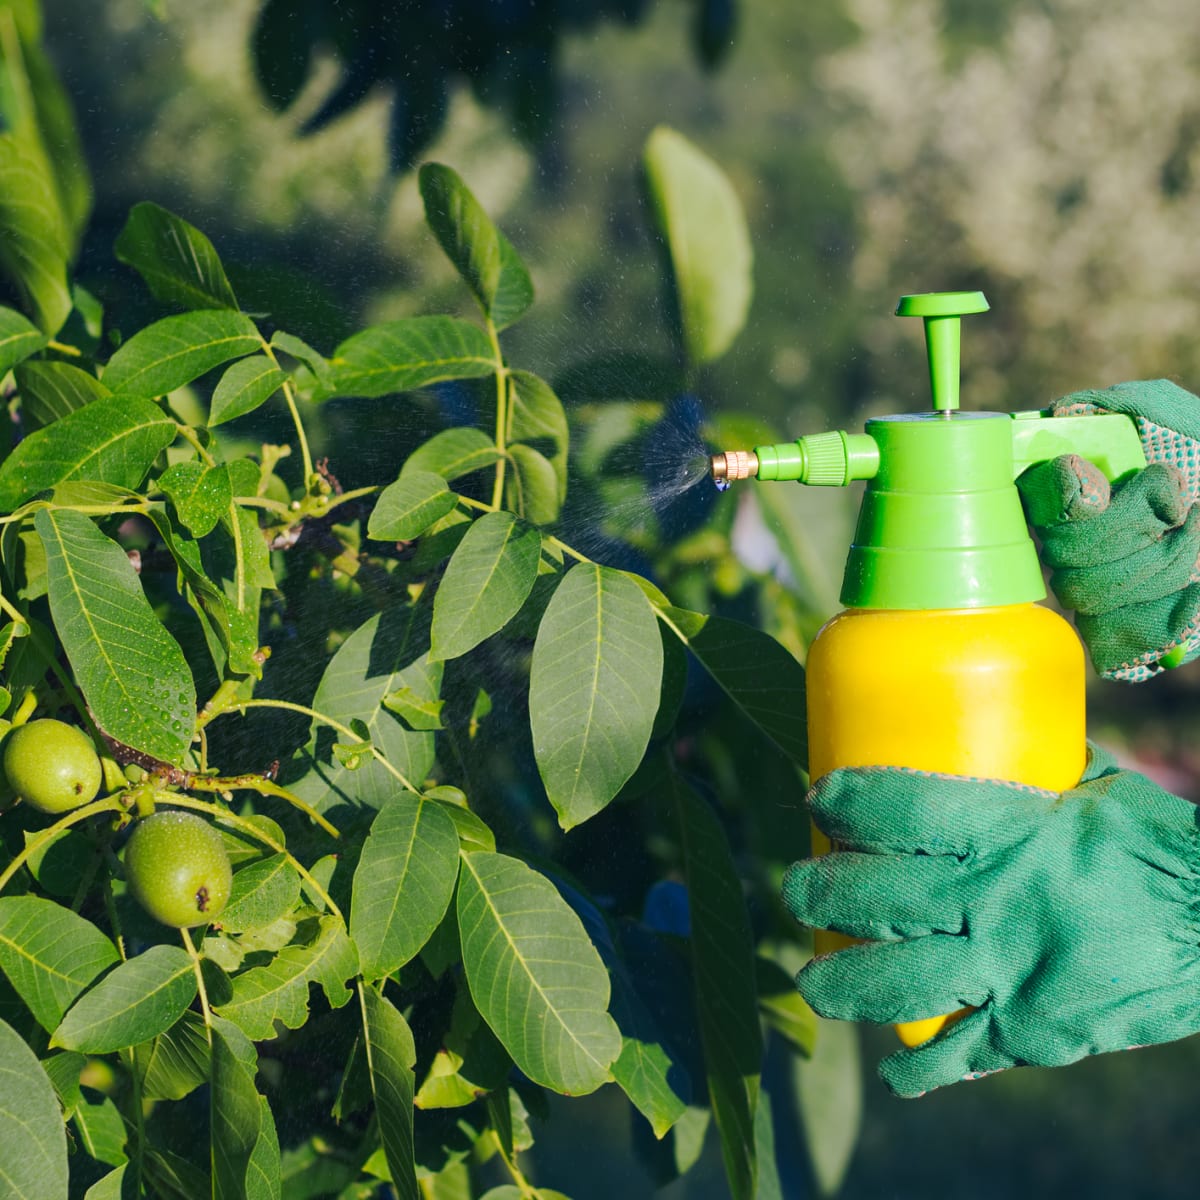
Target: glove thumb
(1067, 488)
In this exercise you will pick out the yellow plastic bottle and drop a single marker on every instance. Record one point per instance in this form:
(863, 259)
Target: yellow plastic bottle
(996, 693)
(943, 660)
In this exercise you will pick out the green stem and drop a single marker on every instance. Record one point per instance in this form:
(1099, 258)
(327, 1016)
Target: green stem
(129, 1055)
(108, 804)
(190, 436)
(344, 730)
(260, 835)
(264, 787)
(289, 394)
(239, 555)
(575, 554)
(63, 348)
(201, 990)
(501, 415)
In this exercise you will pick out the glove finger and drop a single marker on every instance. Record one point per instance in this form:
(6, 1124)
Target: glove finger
(876, 896)
(895, 809)
(962, 1053)
(1160, 569)
(1142, 510)
(1128, 642)
(1067, 488)
(1158, 402)
(891, 982)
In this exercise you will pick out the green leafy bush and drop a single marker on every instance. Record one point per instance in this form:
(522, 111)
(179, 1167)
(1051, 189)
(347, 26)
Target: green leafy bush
(371, 693)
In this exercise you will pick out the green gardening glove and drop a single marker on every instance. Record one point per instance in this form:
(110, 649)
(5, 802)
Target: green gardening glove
(1125, 560)
(1070, 923)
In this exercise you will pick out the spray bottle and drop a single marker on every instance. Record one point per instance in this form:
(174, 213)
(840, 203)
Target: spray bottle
(943, 659)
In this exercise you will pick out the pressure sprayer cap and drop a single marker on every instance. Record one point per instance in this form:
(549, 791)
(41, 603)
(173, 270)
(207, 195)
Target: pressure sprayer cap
(941, 523)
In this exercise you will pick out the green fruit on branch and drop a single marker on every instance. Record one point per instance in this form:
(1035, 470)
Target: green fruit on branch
(52, 766)
(177, 869)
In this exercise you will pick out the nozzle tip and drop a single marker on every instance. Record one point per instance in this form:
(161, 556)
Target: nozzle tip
(731, 465)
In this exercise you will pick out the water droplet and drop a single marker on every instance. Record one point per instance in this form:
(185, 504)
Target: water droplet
(722, 485)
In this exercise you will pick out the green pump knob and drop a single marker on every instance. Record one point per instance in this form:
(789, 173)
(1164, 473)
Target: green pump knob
(941, 312)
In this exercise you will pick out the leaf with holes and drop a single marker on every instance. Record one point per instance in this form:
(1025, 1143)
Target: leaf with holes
(279, 990)
(534, 974)
(129, 668)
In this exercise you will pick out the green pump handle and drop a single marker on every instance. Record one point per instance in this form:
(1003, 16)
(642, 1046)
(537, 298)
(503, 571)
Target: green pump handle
(941, 312)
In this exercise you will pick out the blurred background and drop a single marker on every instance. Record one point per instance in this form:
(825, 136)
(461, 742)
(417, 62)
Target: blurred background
(1044, 151)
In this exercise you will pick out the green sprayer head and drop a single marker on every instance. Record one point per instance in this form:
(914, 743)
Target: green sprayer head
(941, 523)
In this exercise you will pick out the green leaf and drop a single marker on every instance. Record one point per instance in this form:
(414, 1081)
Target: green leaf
(453, 453)
(64, 1071)
(262, 892)
(403, 883)
(514, 292)
(534, 975)
(400, 356)
(240, 1121)
(131, 671)
(176, 350)
(384, 655)
(50, 955)
(33, 1141)
(302, 352)
(201, 494)
(101, 1131)
(473, 831)
(753, 670)
(245, 386)
(415, 711)
(51, 390)
(111, 1187)
(829, 1096)
(722, 952)
(489, 577)
(532, 485)
(279, 990)
(700, 218)
(783, 1008)
(593, 690)
(115, 440)
(177, 261)
(391, 1056)
(18, 339)
(539, 420)
(470, 1062)
(34, 243)
(176, 1062)
(463, 230)
(406, 508)
(137, 1001)
(481, 254)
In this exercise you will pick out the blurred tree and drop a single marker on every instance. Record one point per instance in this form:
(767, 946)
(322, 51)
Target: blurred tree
(508, 50)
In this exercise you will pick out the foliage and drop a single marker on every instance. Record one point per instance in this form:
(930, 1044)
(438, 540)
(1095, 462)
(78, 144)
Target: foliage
(506, 49)
(426, 668)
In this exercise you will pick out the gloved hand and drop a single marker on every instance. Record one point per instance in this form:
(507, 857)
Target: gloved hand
(1069, 923)
(1126, 561)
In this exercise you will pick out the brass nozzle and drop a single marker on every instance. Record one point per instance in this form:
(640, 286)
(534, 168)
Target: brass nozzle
(732, 465)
